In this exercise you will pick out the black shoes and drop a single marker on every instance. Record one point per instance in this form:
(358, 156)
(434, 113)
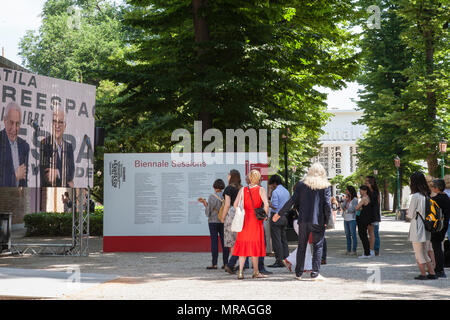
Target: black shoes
(427, 277)
(277, 265)
(229, 270)
(265, 272)
(314, 275)
(441, 274)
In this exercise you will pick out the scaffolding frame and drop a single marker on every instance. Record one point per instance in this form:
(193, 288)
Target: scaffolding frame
(80, 232)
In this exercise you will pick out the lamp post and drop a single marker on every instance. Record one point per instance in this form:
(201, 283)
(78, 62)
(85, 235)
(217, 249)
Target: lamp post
(397, 165)
(285, 137)
(442, 149)
(294, 168)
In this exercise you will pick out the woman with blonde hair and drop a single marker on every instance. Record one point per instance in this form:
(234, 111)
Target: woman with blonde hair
(250, 241)
(313, 197)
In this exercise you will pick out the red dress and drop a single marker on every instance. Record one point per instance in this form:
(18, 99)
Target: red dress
(250, 241)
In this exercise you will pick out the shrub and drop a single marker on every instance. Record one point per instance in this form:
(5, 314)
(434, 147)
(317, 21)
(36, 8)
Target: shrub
(59, 224)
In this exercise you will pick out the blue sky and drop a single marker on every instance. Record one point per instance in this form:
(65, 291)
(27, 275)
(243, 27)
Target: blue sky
(18, 16)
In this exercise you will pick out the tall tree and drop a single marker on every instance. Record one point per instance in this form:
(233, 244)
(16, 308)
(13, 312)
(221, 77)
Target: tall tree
(428, 75)
(384, 59)
(237, 64)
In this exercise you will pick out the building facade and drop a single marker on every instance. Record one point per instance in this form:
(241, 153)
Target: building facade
(338, 151)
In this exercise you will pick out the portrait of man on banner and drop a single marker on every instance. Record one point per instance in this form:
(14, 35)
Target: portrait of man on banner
(57, 167)
(14, 151)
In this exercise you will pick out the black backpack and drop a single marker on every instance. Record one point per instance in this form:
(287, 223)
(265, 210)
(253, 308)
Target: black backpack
(434, 219)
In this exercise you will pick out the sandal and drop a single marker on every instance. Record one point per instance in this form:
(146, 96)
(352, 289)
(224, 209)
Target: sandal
(211, 267)
(287, 264)
(258, 275)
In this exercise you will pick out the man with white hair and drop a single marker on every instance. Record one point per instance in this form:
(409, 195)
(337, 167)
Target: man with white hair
(57, 160)
(14, 151)
(313, 197)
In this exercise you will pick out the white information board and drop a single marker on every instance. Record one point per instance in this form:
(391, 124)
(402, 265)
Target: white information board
(153, 194)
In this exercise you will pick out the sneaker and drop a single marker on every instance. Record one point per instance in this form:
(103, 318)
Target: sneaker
(299, 277)
(363, 257)
(315, 276)
(377, 253)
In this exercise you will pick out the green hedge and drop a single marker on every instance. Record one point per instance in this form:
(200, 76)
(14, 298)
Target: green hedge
(60, 224)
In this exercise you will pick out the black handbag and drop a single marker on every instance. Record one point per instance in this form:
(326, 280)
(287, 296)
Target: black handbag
(260, 213)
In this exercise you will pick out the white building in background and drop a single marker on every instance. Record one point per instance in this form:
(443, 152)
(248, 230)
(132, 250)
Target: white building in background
(338, 152)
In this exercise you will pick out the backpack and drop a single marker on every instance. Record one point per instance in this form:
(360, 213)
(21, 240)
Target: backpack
(221, 213)
(434, 219)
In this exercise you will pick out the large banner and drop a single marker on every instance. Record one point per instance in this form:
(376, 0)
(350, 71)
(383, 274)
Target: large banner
(151, 200)
(46, 131)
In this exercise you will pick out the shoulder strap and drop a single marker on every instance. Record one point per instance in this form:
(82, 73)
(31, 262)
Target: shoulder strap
(251, 197)
(218, 197)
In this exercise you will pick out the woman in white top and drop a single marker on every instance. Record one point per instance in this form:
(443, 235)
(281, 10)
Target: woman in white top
(420, 237)
(349, 209)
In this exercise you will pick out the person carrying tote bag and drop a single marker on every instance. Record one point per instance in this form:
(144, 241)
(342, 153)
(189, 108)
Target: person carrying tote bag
(239, 215)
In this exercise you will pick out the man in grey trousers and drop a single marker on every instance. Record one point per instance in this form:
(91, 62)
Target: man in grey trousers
(279, 197)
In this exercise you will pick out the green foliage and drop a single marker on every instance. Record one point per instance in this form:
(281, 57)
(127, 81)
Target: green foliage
(342, 182)
(405, 100)
(249, 64)
(59, 224)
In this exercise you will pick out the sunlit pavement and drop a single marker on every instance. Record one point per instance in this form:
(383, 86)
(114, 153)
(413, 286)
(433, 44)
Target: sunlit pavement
(184, 275)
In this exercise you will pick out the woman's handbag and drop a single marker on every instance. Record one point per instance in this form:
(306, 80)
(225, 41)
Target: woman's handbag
(260, 213)
(238, 221)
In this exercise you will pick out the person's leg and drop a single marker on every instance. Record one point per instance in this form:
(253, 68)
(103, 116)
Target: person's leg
(377, 238)
(225, 250)
(324, 251)
(438, 254)
(255, 265)
(353, 234)
(275, 235)
(348, 235)
(362, 231)
(318, 238)
(241, 267)
(214, 242)
(430, 254)
(303, 235)
(284, 240)
(370, 229)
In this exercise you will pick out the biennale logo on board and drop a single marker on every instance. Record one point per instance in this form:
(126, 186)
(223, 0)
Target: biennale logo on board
(117, 173)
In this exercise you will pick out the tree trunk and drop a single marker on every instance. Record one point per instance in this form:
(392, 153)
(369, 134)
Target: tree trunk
(386, 196)
(428, 36)
(201, 35)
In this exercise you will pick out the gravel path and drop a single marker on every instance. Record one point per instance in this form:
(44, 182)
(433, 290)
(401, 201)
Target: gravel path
(178, 276)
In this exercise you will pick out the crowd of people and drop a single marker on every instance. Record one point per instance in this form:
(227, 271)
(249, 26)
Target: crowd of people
(315, 210)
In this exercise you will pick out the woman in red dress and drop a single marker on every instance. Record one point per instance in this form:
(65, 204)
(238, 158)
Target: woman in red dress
(250, 241)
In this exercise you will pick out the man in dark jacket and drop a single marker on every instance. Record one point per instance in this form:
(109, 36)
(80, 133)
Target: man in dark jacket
(313, 197)
(57, 159)
(14, 151)
(443, 202)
